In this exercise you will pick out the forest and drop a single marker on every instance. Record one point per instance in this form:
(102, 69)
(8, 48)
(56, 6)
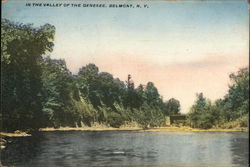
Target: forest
(38, 91)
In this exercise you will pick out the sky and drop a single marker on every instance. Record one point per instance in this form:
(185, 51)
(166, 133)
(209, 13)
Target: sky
(183, 47)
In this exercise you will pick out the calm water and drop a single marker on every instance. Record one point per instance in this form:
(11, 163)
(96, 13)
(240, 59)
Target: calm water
(128, 148)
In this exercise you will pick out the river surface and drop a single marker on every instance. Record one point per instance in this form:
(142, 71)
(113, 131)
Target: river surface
(128, 148)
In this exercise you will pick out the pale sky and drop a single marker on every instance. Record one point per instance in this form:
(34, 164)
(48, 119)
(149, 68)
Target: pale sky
(183, 47)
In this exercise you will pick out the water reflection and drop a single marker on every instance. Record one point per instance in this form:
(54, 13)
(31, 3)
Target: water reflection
(240, 149)
(21, 150)
(128, 148)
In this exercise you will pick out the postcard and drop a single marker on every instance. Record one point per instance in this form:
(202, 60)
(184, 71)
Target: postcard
(124, 83)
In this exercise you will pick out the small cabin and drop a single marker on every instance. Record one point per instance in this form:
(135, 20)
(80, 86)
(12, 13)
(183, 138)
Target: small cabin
(175, 119)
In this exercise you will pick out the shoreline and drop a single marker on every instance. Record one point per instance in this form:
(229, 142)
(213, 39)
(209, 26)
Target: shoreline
(14, 134)
(189, 129)
(154, 129)
(4, 135)
(89, 129)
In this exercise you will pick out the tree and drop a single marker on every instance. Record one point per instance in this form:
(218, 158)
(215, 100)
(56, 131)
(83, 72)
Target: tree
(59, 92)
(172, 107)
(152, 95)
(22, 47)
(148, 116)
(130, 96)
(88, 84)
(237, 99)
(200, 115)
(231, 111)
(109, 89)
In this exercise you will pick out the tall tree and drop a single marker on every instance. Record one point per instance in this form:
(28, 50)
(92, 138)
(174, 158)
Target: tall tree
(58, 93)
(152, 95)
(130, 96)
(88, 84)
(172, 107)
(22, 47)
(200, 114)
(237, 99)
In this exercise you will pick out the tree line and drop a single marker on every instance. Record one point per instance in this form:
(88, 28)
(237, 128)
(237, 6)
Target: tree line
(228, 112)
(37, 91)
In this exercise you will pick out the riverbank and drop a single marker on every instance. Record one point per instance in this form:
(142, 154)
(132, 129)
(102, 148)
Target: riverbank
(156, 129)
(189, 129)
(89, 128)
(5, 135)
(14, 134)
(124, 128)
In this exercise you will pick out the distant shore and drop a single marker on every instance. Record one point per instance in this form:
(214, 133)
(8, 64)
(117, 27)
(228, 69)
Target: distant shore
(89, 129)
(189, 129)
(155, 129)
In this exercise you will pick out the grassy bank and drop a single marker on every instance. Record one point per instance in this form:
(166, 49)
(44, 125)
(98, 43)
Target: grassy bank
(88, 128)
(14, 134)
(106, 128)
(156, 129)
(189, 129)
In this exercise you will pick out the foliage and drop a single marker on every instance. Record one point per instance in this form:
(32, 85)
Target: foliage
(147, 116)
(232, 111)
(171, 107)
(237, 99)
(60, 98)
(38, 91)
(22, 47)
(201, 114)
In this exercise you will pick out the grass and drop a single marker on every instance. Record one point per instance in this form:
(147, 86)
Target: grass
(189, 129)
(161, 129)
(100, 127)
(14, 134)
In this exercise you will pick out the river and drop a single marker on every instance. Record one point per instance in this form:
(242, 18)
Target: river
(128, 148)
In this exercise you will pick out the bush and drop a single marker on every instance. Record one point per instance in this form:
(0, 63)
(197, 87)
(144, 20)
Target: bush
(148, 116)
(115, 120)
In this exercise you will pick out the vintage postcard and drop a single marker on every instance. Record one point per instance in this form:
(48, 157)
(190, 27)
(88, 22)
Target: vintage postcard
(124, 83)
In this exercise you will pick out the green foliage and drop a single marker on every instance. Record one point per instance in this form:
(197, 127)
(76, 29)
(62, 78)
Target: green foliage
(88, 84)
(152, 95)
(38, 91)
(114, 119)
(99, 87)
(147, 116)
(201, 113)
(54, 79)
(232, 111)
(238, 123)
(237, 99)
(22, 47)
(117, 102)
(171, 107)
(63, 98)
